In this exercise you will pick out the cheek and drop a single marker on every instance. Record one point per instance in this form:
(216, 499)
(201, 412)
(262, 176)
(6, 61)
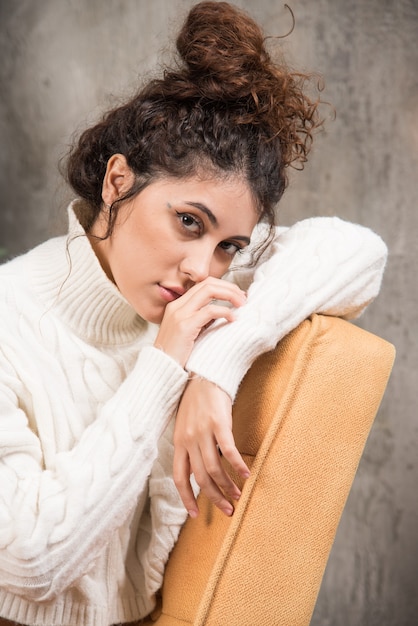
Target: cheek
(219, 266)
(146, 252)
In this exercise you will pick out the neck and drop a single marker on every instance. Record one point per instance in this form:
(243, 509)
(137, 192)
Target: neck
(68, 276)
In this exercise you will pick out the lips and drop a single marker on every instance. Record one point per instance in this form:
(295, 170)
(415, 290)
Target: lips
(170, 293)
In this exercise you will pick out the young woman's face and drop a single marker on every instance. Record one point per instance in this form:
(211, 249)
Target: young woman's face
(173, 234)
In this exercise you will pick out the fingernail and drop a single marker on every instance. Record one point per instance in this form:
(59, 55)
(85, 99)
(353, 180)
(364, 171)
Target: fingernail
(193, 513)
(236, 495)
(228, 511)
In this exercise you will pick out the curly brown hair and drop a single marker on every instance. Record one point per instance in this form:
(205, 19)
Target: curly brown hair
(226, 108)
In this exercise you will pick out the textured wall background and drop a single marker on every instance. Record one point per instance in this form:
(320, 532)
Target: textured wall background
(62, 61)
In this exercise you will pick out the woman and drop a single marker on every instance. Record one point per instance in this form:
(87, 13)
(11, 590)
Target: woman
(133, 318)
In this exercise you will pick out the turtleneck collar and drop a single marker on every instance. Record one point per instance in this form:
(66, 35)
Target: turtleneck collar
(67, 276)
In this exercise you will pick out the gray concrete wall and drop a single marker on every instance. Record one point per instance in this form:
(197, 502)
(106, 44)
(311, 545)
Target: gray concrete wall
(62, 61)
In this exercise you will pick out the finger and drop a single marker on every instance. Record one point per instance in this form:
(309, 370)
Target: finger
(181, 476)
(231, 453)
(216, 471)
(191, 318)
(178, 332)
(204, 292)
(211, 312)
(207, 485)
(189, 326)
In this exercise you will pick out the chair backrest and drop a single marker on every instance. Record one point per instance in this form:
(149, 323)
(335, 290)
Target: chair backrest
(301, 420)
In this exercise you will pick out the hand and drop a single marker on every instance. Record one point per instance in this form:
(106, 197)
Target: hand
(186, 317)
(203, 422)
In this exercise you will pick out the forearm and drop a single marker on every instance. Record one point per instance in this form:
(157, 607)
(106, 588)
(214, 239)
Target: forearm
(321, 265)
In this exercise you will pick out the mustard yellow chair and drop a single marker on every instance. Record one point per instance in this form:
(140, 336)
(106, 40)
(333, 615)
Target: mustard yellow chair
(301, 420)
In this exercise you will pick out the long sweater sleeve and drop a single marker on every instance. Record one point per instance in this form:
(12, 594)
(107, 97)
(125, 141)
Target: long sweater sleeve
(85, 404)
(319, 265)
(55, 521)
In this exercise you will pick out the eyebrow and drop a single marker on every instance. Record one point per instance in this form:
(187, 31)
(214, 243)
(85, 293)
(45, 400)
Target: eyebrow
(204, 209)
(214, 221)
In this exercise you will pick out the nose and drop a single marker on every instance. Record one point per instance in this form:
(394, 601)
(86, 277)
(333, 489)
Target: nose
(198, 263)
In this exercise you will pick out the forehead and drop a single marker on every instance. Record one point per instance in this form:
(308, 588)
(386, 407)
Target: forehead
(227, 197)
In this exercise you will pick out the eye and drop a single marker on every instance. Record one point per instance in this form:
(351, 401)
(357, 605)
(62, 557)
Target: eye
(230, 248)
(189, 222)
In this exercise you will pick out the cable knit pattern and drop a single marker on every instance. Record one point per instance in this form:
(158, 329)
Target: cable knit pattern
(322, 265)
(84, 400)
(88, 509)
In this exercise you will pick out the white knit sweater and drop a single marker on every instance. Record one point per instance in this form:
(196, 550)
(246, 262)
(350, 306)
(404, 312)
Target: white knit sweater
(88, 508)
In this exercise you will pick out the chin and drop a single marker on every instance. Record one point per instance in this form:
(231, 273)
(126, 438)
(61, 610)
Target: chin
(155, 319)
(152, 317)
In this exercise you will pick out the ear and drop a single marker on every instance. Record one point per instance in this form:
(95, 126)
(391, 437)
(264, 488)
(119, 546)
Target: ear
(118, 179)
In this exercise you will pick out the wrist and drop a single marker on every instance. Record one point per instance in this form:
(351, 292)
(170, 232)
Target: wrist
(170, 353)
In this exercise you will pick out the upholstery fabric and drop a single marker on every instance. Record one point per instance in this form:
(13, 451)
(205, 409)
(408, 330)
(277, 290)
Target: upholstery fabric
(301, 420)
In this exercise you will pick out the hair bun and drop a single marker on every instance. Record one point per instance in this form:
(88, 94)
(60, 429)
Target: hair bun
(228, 106)
(221, 44)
